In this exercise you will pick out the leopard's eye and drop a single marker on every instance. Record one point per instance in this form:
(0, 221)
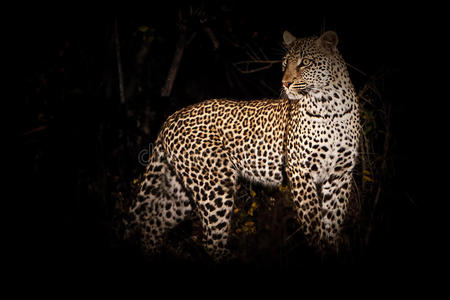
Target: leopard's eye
(306, 62)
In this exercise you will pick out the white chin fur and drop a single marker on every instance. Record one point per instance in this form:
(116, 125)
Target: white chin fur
(293, 96)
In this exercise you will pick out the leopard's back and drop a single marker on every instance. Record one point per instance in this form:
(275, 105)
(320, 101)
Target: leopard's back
(252, 134)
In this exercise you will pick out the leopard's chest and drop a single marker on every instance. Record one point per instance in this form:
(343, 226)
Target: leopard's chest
(323, 143)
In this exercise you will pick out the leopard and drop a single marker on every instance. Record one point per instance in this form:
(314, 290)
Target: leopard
(308, 138)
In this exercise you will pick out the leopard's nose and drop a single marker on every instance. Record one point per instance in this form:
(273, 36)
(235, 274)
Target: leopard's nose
(286, 84)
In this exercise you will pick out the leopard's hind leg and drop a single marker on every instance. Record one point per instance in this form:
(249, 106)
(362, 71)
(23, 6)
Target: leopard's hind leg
(212, 183)
(161, 204)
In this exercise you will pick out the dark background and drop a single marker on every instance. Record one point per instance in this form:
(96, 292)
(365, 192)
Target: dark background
(78, 145)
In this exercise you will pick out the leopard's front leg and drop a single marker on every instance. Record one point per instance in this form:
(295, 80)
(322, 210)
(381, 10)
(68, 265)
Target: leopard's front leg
(308, 205)
(335, 206)
(321, 208)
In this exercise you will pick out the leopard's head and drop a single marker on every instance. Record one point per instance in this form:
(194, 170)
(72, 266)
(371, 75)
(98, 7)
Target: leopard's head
(311, 64)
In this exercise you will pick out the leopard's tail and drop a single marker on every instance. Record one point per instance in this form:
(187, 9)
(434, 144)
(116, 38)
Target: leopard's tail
(151, 182)
(161, 203)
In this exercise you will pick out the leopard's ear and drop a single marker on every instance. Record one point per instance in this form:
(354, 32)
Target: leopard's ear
(328, 41)
(288, 38)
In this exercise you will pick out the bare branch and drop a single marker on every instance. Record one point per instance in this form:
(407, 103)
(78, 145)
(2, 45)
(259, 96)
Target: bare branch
(179, 50)
(212, 37)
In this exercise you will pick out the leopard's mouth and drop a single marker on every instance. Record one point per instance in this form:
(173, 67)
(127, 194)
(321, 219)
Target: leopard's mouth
(299, 86)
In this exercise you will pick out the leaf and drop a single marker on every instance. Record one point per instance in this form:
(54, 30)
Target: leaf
(252, 208)
(143, 28)
(249, 224)
(283, 188)
(252, 193)
(367, 178)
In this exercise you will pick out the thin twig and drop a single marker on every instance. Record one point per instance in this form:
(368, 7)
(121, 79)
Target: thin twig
(292, 234)
(34, 130)
(252, 54)
(247, 63)
(357, 69)
(261, 61)
(212, 37)
(119, 62)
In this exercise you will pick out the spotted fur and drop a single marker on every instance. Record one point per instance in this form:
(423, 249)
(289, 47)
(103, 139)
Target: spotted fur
(310, 136)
